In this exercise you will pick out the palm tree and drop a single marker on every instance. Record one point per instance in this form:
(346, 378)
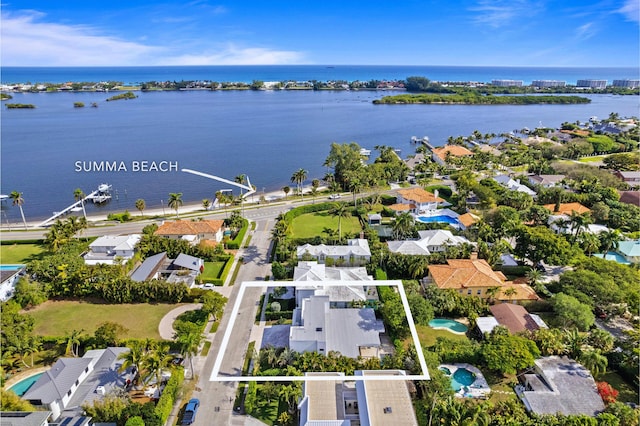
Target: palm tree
(140, 205)
(73, 342)
(17, 200)
(78, 195)
(578, 222)
(189, 338)
(175, 201)
(206, 203)
(594, 361)
(340, 211)
(609, 240)
(298, 177)
(403, 226)
(286, 191)
(589, 243)
(134, 358)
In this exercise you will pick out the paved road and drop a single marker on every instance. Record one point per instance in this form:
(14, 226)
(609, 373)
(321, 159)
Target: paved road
(216, 398)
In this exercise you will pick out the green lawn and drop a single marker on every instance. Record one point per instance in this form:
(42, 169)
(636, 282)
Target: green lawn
(593, 159)
(56, 318)
(20, 253)
(311, 225)
(212, 270)
(428, 335)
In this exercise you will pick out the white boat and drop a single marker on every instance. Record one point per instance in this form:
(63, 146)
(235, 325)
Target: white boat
(76, 209)
(104, 187)
(365, 152)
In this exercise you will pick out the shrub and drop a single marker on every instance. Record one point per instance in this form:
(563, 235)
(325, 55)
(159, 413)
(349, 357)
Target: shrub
(168, 397)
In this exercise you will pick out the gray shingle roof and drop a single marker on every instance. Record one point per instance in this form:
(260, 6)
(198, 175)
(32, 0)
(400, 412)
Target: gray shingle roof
(562, 386)
(24, 418)
(150, 265)
(57, 381)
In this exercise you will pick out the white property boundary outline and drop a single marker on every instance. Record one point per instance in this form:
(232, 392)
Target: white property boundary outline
(236, 307)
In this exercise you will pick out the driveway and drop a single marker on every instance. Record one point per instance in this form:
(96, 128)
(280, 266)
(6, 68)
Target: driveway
(165, 328)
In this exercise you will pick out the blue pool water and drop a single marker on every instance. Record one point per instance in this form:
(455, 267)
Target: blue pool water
(10, 267)
(451, 325)
(462, 377)
(23, 386)
(439, 218)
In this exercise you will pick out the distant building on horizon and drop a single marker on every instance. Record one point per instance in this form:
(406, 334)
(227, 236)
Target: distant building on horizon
(507, 83)
(548, 83)
(626, 83)
(592, 84)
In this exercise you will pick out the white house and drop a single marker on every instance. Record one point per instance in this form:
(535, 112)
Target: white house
(71, 382)
(431, 241)
(356, 252)
(319, 328)
(107, 248)
(416, 200)
(514, 185)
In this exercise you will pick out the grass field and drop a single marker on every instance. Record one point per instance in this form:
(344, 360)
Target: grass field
(20, 253)
(311, 225)
(428, 335)
(212, 270)
(57, 318)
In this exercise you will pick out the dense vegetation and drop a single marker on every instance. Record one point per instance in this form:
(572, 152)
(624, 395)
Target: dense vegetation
(475, 98)
(125, 95)
(20, 106)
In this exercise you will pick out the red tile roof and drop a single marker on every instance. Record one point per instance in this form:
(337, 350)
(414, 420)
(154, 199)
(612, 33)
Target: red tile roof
(187, 227)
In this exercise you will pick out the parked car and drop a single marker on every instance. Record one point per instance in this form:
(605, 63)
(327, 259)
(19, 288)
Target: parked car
(334, 196)
(190, 412)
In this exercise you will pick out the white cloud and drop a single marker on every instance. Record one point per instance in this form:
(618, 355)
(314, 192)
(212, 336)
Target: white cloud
(585, 31)
(498, 13)
(233, 55)
(631, 10)
(27, 41)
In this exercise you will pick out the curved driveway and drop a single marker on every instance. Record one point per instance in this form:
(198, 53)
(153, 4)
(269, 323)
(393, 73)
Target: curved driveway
(165, 328)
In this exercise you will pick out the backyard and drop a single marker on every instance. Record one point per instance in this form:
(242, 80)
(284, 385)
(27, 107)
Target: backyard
(57, 318)
(211, 272)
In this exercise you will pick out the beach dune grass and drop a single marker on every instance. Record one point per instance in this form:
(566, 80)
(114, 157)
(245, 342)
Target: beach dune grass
(20, 253)
(57, 318)
(311, 225)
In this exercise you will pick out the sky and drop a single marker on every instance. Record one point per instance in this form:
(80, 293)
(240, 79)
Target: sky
(553, 33)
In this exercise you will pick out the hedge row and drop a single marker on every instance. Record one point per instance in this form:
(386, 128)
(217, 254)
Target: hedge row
(309, 208)
(168, 397)
(235, 243)
(223, 275)
(274, 316)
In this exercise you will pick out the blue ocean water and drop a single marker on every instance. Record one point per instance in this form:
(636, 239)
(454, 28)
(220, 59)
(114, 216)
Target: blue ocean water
(247, 74)
(264, 134)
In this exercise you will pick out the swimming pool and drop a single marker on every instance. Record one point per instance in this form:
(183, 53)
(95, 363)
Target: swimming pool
(11, 267)
(448, 324)
(439, 218)
(23, 385)
(462, 377)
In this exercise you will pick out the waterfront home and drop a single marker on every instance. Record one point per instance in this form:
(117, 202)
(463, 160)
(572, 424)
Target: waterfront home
(474, 277)
(192, 231)
(108, 248)
(335, 401)
(72, 382)
(546, 181)
(559, 385)
(441, 154)
(514, 185)
(416, 200)
(631, 178)
(430, 241)
(183, 269)
(356, 252)
(316, 327)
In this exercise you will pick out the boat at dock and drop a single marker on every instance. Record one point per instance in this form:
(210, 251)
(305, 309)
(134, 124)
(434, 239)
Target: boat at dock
(102, 195)
(365, 152)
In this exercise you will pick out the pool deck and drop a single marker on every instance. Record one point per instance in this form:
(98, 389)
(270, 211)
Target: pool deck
(478, 389)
